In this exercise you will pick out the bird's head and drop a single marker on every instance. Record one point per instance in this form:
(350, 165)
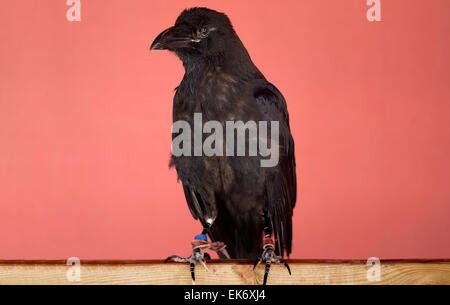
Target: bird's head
(197, 33)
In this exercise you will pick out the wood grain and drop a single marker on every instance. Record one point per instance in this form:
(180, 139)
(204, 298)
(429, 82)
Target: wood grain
(225, 272)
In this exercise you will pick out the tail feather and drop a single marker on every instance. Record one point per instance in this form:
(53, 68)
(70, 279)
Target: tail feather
(241, 234)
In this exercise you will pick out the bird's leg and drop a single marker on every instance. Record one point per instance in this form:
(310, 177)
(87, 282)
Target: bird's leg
(199, 243)
(268, 256)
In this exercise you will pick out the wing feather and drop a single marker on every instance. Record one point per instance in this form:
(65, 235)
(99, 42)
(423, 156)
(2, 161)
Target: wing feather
(281, 182)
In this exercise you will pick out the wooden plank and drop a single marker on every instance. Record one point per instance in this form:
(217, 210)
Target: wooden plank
(225, 272)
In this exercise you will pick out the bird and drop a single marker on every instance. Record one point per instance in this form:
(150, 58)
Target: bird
(245, 208)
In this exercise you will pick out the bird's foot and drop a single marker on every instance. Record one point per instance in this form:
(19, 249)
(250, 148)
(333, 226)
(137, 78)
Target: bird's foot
(196, 257)
(199, 244)
(268, 256)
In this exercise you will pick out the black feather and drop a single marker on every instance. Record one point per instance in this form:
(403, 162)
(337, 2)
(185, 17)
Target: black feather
(222, 83)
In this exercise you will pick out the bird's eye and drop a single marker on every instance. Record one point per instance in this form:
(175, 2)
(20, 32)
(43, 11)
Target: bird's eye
(203, 32)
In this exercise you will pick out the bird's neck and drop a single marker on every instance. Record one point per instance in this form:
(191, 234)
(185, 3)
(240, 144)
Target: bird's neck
(237, 64)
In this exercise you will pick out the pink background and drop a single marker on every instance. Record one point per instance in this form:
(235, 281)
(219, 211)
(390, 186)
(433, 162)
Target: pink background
(85, 118)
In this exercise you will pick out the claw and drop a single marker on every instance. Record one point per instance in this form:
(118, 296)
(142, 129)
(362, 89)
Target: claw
(199, 244)
(196, 257)
(269, 257)
(225, 252)
(204, 265)
(287, 266)
(176, 258)
(192, 268)
(266, 272)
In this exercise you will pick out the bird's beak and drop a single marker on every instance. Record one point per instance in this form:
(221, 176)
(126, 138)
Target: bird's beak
(172, 38)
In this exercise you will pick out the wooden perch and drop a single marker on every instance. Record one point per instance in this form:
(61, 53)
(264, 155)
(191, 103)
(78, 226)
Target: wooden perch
(225, 272)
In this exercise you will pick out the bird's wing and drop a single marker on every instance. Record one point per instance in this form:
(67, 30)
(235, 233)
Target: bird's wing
(192, 201)
(200, 208)
(281, 182)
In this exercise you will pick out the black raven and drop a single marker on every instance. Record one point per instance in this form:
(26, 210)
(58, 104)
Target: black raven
(239, 202)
